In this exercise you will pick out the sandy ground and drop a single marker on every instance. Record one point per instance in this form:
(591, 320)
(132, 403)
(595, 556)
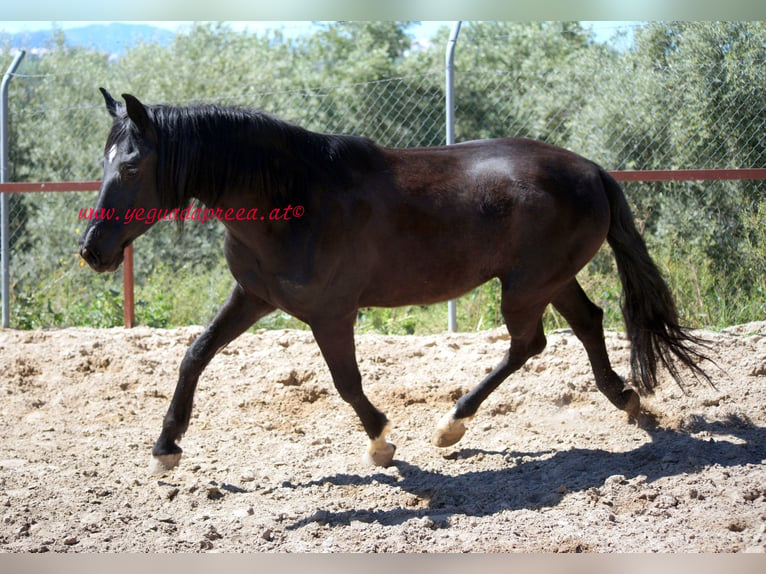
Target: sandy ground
(273, 458)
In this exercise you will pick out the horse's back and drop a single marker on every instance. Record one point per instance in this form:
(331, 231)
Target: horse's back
(487, 181)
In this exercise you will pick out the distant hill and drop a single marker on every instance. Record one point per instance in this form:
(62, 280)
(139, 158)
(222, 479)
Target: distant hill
(114, 38)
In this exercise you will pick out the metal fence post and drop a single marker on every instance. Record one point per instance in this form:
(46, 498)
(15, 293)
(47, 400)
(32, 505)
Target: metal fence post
(450, 110)
(4, 215)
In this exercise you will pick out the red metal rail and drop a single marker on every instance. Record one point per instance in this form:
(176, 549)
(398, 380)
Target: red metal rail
(689, 174)
(31, 187)
(624, 175)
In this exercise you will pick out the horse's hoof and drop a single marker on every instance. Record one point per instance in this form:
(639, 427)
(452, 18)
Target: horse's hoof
(162, 463)
(380, 454)
(633, 405)
(449, 430)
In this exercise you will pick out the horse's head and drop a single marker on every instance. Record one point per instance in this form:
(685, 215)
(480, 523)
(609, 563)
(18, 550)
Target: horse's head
(129, 185)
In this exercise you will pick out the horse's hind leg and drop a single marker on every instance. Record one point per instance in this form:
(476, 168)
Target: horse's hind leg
(237, 314)
(335, 338)
(525, 326)
(585, 318)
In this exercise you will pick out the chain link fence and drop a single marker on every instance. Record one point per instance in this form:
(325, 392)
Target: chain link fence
(701, 116)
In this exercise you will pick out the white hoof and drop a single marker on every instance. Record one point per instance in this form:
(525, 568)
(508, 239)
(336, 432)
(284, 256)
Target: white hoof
(380, 456)
(633, 406)
(449, 430)
(380, 452)
(164, 462)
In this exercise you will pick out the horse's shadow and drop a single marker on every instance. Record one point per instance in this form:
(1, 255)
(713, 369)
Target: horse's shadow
(536, 480)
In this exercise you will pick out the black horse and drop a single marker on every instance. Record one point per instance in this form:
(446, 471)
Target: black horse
(383, 227)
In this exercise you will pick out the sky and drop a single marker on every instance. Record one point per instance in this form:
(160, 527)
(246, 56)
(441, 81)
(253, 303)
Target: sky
(172, 25)
(603, 29)
(287, 10)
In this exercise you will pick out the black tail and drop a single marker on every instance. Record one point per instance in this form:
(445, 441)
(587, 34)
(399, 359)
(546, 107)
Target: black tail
(650, 314)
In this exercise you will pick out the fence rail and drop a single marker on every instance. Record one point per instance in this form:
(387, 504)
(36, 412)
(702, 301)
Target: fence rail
(48, 186)
(690, 174)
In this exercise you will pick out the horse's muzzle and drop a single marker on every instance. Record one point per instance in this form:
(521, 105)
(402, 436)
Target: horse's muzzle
(93, 258)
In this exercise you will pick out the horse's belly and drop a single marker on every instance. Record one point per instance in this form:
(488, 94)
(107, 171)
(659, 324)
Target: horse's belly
(407, 285)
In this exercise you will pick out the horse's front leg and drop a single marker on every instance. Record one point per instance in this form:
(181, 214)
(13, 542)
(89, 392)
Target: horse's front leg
(238, 313)
(335, 338)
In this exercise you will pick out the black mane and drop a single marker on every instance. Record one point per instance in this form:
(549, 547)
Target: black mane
(205, 150)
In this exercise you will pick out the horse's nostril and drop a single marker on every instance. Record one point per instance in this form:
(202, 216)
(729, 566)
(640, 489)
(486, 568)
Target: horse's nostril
(90, 256)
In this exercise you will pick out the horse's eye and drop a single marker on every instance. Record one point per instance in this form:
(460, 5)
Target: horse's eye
(128, 170)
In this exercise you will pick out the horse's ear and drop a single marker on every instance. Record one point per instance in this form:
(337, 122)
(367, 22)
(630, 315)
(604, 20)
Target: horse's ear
(111, 104)
(140, 117)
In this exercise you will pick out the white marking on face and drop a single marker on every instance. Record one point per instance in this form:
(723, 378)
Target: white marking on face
(112, 153)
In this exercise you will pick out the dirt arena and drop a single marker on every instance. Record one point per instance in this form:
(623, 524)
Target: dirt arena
(272, 460)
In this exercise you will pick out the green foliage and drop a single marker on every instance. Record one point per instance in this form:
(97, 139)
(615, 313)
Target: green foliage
(186, 295)
(688, 94)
